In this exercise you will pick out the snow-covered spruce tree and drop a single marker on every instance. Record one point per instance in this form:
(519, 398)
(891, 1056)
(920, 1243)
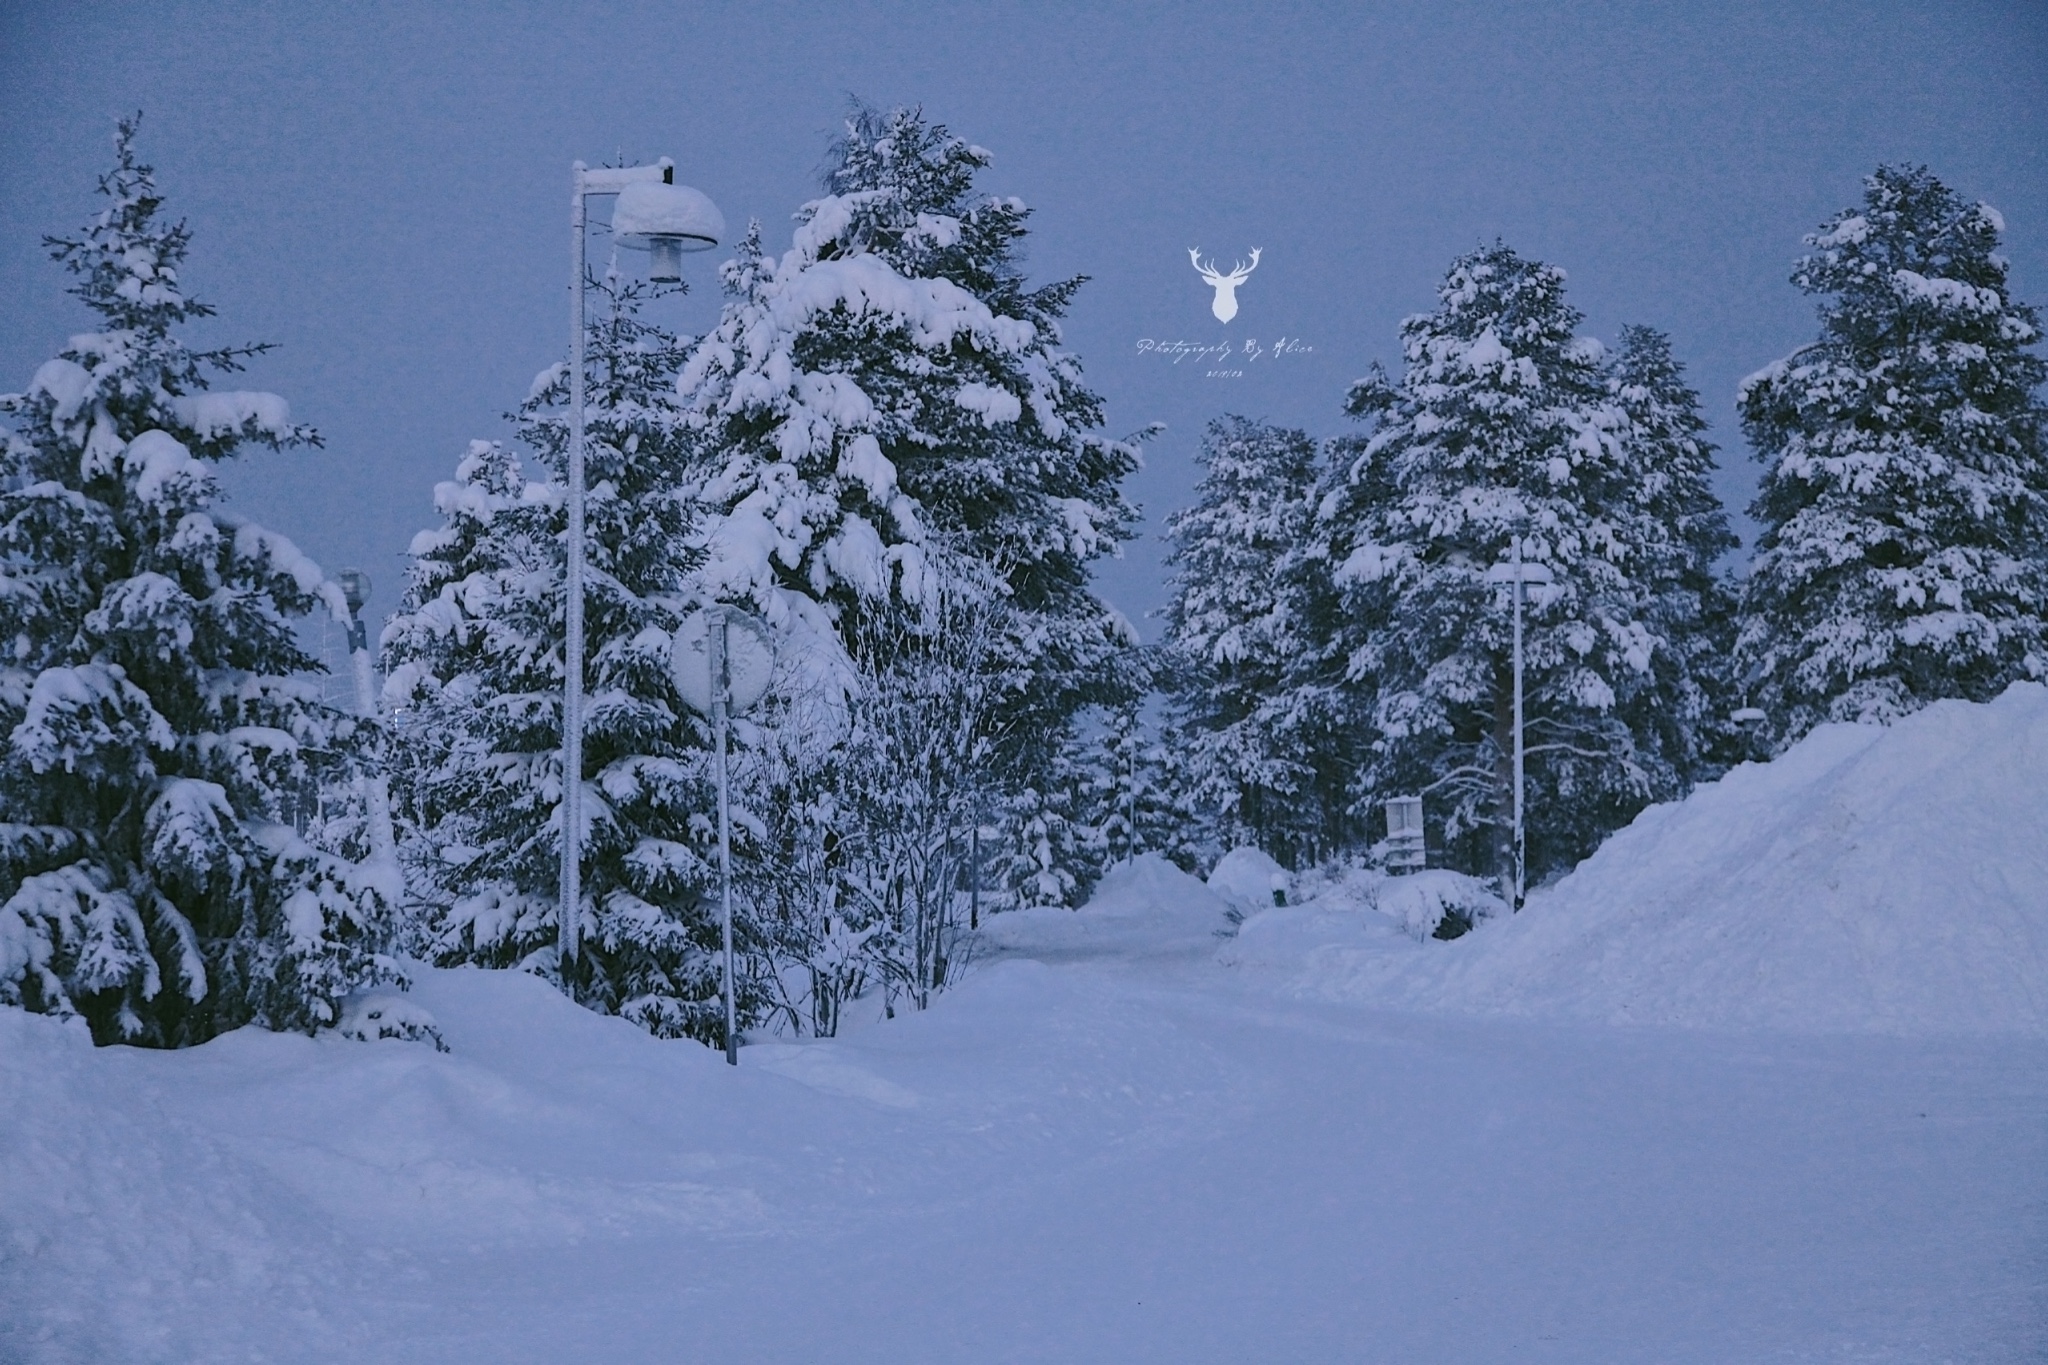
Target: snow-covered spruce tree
(885, 412)
(1683, 717)
(474, 660)
(153, 696)
(1047, 855)
(1904, 555)
(1130, 803)
(1503, 424)
(471, 627)
(1264, 761)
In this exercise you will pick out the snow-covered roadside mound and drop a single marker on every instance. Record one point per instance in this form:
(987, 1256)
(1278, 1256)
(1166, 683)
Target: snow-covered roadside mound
(1870, 880)
(1251, 879)
(1144, 908)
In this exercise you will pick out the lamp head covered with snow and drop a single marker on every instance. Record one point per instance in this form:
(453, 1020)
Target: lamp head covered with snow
(355, 588)
(665, 219)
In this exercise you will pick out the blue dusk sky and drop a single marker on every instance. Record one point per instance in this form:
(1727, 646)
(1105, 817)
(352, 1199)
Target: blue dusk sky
(382, 189)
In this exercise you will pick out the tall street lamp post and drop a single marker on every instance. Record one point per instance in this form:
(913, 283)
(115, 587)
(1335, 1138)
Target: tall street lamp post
(1518, 578)
(355, 589)
(664, 219)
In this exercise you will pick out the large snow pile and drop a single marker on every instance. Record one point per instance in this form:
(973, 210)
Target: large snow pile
(1250, 878)
(1870, 880)
(1143, 908)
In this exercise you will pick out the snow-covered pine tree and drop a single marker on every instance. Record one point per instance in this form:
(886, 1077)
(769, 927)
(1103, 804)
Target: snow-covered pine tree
(473, 609)
(1502, 424)
(1265, 763)
(474, 659)
(1129, 800)
(1683, 714)
(1047, 855)
(1904, 555)
(886, 411)
(157, 715)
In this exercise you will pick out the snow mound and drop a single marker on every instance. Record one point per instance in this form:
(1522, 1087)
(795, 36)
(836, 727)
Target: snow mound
(1282, 938)
(1144, 908)
(1870, 880)
(1421, 901)
(1250, 878)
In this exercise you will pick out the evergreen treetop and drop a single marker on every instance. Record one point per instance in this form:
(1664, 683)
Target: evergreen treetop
(1506, 425)
(886, 410)
(155, 697)
(1905, 503)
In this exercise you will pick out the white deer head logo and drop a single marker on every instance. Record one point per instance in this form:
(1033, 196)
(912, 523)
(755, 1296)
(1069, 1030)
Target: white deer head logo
(1225, 304)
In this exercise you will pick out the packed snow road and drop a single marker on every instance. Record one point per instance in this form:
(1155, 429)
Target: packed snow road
(1124, 1152)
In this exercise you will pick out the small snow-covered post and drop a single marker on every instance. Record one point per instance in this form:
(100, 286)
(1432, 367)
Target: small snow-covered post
(355, 590)
(658, 216)
(1751, 720)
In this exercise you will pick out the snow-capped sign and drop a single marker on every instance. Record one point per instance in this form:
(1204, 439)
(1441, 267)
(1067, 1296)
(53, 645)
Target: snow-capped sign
(1406, 848)
(749, 656)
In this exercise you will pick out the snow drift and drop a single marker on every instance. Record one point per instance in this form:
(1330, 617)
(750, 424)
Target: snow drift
(1870, 880)
(1144, 908)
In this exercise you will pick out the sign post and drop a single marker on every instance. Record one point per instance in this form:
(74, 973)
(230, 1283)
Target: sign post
(722, 660)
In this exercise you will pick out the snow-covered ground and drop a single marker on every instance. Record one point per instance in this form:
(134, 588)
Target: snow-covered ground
(1128, 1136)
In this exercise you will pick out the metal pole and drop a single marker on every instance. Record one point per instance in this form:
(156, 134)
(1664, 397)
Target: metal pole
(376, 792)
(1520, 848)
(719, 684)
(1131, 804)
(572, 643)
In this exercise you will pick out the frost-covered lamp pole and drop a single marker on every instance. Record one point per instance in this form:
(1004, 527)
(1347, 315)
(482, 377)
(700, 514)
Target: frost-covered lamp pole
(664, 219)
(355, 589)
(1518, 577)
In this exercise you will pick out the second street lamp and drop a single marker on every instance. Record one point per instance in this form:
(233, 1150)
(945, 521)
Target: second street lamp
(656, 215)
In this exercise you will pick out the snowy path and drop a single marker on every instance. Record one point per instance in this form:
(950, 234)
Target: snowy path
(1128, 1156)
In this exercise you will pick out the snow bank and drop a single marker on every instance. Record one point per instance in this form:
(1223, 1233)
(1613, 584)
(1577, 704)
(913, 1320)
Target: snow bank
(1250, 878)
(1144, 908)
(1870, 880)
